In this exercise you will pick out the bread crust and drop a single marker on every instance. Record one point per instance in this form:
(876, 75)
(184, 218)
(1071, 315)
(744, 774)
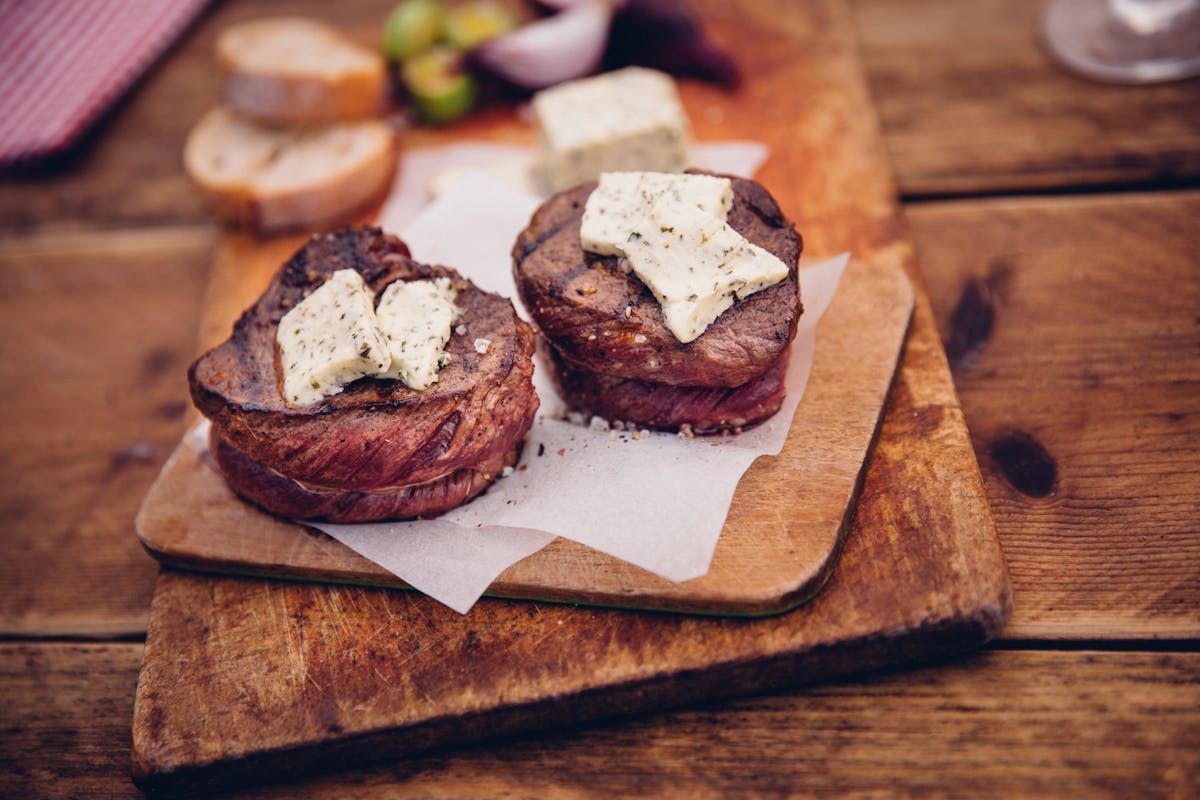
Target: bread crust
(337, 80)
(343, 183)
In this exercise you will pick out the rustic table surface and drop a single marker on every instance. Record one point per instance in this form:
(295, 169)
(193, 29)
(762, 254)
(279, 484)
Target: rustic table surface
(1055, 222)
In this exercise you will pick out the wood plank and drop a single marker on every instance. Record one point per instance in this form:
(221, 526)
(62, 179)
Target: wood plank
(971, 103)
(65, 711)
(1072, 327)
(253, 677)
(1000, 724)
(96, 332)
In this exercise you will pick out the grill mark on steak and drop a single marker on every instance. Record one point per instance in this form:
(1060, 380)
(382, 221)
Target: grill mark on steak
(579, 300)
(523, 249)
(435, 446)
(376, 434)
(763, 204)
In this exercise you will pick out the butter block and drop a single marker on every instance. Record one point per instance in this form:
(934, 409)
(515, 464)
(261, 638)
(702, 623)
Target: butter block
(330, 339)
(696, 265)
(417, 318)
(626, 120)
(620, 201)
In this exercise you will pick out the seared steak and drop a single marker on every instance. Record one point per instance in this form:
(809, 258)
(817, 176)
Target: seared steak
(377, 437)
(605, 320)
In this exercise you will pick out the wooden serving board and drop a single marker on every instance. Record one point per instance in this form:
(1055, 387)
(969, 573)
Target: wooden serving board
(769, 557)
(252, 679)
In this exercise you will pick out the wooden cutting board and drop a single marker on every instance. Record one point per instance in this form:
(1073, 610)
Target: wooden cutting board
(253, 679)
(770, 556)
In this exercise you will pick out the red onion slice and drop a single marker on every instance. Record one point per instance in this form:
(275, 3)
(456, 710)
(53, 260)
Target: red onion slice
(548, 51)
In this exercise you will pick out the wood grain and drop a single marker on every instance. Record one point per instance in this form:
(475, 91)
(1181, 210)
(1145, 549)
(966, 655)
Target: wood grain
(96, 332)
(66, 719)
(252, 680)
(971, 103)
(1075, 338)
(1000, 724)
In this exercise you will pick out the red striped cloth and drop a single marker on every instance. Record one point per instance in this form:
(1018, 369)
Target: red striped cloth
(64, 62)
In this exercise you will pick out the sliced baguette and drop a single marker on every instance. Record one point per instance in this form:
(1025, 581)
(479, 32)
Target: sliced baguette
(274, 179)
(297, 70)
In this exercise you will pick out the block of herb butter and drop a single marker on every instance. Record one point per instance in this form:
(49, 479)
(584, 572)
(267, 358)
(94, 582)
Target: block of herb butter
(330, 339)
(620, 201)
(696, 264)
(628, 119)
(417, 317)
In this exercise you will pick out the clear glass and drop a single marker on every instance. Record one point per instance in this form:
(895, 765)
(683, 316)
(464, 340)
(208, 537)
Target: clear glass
(1125, 41)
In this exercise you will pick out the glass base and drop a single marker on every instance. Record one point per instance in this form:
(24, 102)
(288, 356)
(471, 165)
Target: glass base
(1125, 41)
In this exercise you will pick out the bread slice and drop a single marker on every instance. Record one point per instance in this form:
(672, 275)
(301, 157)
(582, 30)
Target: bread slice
(297, 70)
(273, 179)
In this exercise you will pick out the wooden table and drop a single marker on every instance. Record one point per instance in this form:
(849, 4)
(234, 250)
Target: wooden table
(1055, 222)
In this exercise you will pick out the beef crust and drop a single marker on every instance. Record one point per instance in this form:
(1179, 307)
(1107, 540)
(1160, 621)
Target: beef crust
(281, 495)
(376, 436)
(703, 410)
(606, 321)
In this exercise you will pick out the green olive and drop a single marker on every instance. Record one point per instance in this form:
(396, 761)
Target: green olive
(442, 90)
(474, 23)
(412, 27)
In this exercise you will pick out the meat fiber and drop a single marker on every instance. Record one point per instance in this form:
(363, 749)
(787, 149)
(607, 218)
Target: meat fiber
(698, 409)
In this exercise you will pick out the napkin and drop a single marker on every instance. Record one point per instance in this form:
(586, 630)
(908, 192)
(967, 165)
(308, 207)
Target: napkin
(63, 63)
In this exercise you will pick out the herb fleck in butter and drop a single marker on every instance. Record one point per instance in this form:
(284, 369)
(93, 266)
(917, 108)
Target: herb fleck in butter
(619, 202)
(336, 336)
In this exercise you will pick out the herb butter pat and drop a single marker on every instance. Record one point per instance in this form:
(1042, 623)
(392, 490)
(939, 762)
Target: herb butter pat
(629, 119)
(336, 336)
(417, 318)
(330, 339)
(674, 236)
(620, 201)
